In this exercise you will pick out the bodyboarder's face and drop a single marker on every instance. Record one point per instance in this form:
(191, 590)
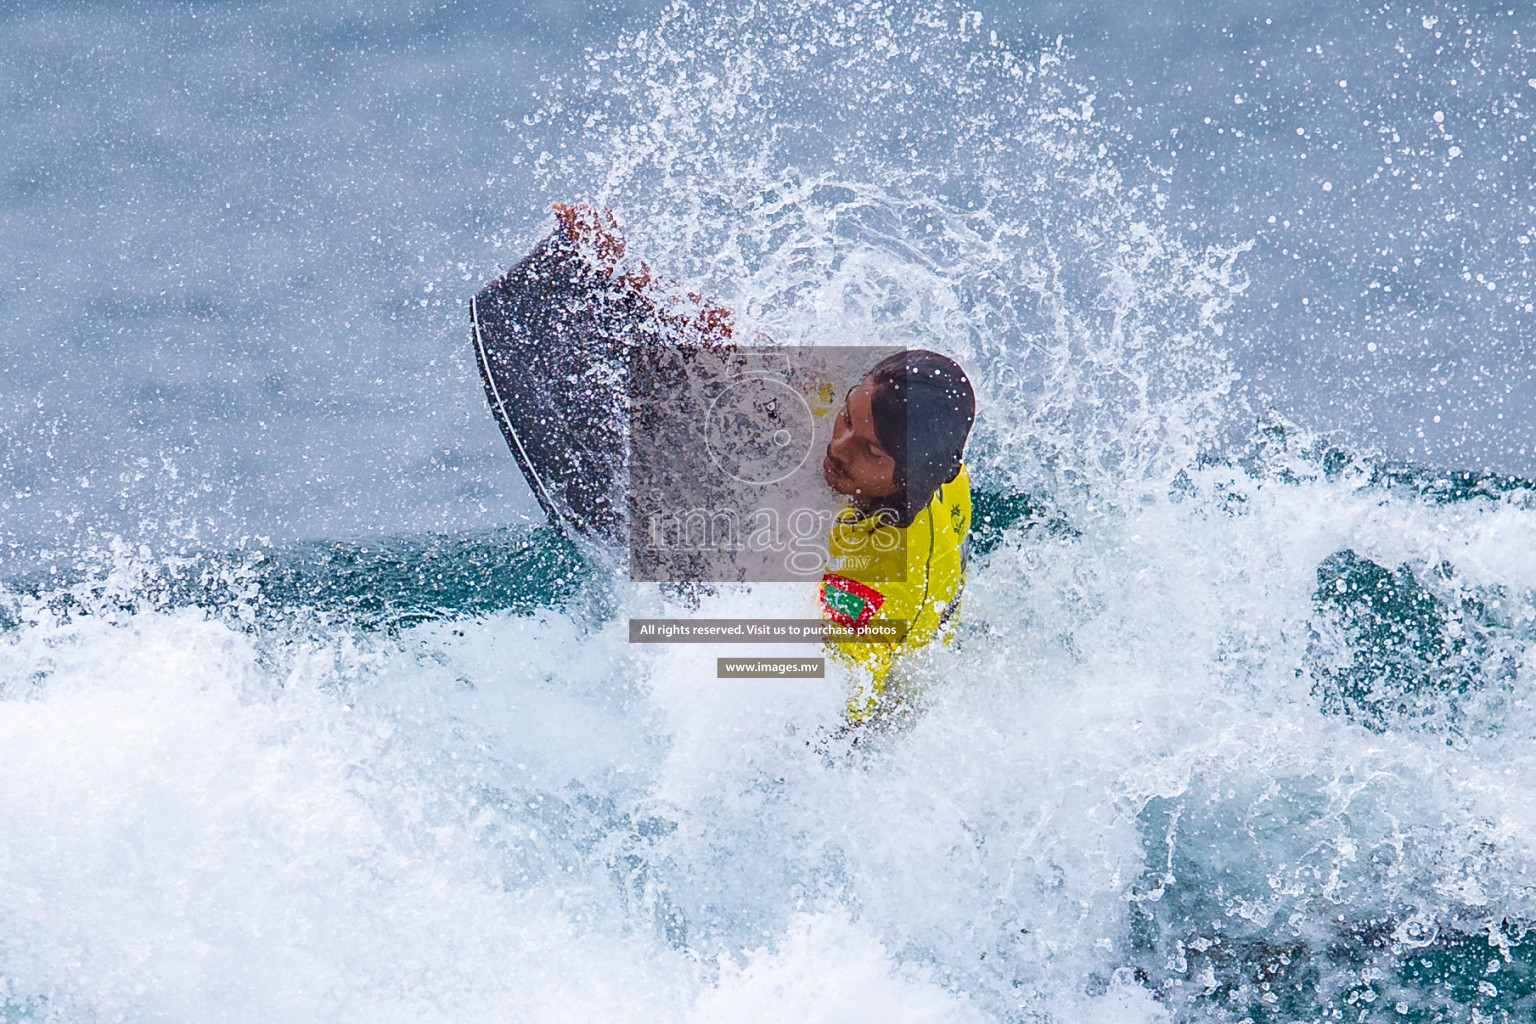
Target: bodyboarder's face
(855, 464)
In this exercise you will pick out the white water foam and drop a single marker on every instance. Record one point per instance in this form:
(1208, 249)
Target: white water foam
(525, 817)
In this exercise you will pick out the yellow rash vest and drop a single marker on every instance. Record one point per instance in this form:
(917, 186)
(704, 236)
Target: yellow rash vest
(880, 572)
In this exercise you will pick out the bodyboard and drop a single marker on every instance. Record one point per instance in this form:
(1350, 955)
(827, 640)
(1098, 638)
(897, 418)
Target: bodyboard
(556, 339)
(550, 340)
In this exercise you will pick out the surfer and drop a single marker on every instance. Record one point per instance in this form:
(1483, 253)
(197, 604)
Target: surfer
(899, 550)
(552, 336)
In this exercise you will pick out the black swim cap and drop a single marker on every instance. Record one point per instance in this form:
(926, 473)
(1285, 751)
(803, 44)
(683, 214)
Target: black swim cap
(923, 408)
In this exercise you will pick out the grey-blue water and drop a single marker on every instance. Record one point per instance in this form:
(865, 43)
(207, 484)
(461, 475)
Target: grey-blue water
(220, 224)
(304, 716)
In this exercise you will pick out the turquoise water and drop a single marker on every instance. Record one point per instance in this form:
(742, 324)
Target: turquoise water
(386, 584)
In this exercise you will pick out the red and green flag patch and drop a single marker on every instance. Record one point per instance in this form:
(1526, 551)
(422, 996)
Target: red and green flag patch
(848, 602)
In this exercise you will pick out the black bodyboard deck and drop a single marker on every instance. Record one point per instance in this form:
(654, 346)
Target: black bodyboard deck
(550, 344)
(555, 338)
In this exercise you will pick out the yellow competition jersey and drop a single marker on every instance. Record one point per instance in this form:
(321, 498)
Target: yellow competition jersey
(874, 577)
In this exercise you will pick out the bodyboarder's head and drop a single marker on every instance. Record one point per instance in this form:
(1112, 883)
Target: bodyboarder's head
(901, 434)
